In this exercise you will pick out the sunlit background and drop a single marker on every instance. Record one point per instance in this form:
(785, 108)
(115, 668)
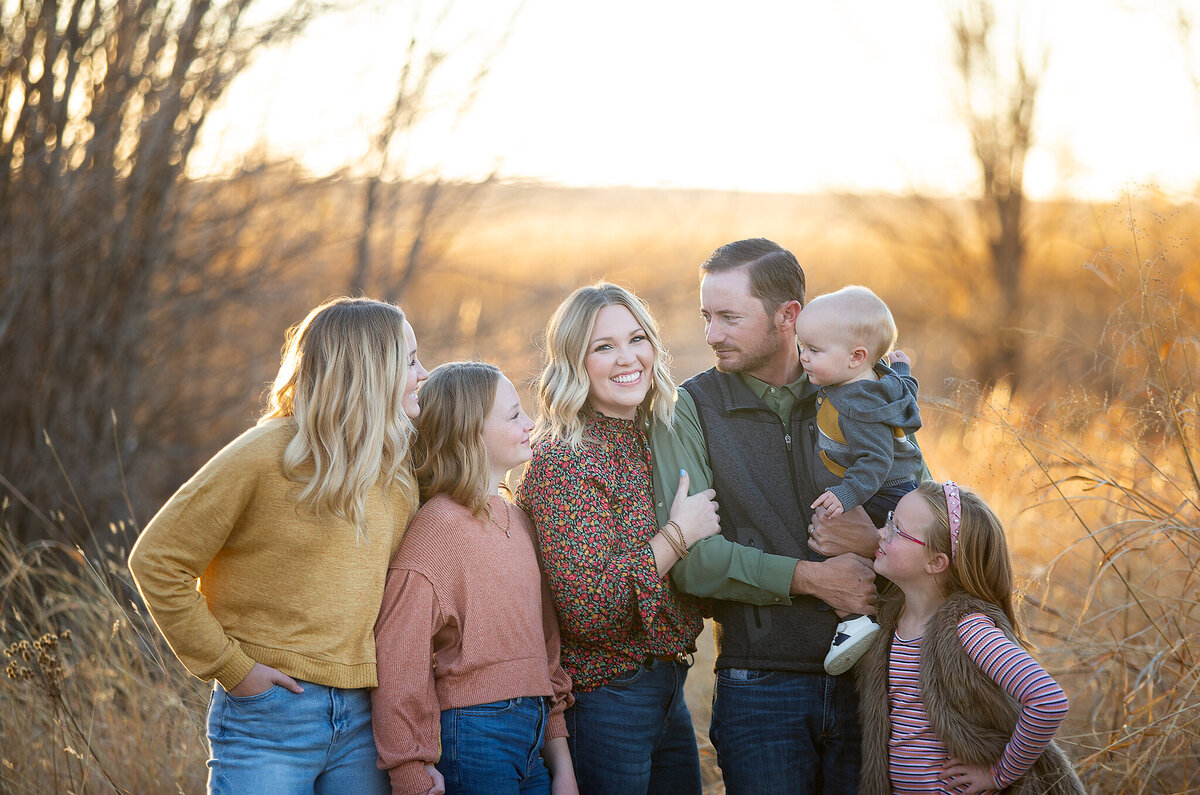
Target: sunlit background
(1052, 313)
(762, 96)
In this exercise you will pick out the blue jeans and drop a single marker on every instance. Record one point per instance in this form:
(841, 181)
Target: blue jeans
(776, 732)
(885, 500)
(279, 742)
(496, 748)
(634, 735)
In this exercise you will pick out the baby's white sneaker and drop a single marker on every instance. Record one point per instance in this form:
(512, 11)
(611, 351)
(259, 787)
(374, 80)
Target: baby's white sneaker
(853, 638)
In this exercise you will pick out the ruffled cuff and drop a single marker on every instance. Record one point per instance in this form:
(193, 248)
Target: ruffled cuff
(649, 589)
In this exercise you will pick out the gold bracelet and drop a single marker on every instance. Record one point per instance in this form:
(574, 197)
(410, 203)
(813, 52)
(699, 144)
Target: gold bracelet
(682, 541)
(679, 552)
(683, 547)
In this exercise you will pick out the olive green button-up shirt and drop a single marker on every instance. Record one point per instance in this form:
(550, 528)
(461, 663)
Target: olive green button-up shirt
(716, 567)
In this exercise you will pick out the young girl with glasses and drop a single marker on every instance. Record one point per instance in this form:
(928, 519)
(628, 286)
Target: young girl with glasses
(471, 692)
(950, 701)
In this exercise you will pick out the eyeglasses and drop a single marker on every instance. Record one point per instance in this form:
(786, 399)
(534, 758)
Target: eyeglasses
(892, 531)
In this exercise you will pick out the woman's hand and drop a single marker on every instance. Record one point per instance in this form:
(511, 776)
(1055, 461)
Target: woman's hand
(260, 679)
(975, 778)
(696, 515)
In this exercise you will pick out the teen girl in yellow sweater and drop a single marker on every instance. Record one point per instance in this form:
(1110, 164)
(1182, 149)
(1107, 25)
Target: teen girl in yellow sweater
(266, 570)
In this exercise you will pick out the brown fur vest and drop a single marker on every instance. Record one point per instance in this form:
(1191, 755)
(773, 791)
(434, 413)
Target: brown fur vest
(972, 714)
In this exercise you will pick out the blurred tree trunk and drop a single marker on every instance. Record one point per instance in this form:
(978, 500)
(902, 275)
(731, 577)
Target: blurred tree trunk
(100, 104)
(998, 107)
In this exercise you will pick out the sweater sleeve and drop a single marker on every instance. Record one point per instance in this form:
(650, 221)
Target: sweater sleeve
(172, 554)
(596, 587)
(904, 373)
(560, 680)
(1043, 703)
(872, 453)
(715, 568)
(404, 708)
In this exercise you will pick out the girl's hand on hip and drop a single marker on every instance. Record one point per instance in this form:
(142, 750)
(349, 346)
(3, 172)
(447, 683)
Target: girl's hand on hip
(260, 679)
(969, 779)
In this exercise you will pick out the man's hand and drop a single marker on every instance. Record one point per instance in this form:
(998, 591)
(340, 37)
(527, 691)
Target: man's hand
(845, 583)
(853, 531)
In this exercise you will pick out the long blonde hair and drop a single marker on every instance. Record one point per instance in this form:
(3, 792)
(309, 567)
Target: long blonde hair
(449, 455)
(342, 379)
(563, 386)
(980, 565)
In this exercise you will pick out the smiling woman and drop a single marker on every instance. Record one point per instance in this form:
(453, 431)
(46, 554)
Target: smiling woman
(619, 363)
(626, 632)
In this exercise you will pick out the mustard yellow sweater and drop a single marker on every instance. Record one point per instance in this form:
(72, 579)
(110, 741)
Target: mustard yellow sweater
(235, 571)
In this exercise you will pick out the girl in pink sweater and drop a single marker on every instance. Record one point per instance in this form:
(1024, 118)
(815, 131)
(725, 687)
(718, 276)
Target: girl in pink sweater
(471, 692)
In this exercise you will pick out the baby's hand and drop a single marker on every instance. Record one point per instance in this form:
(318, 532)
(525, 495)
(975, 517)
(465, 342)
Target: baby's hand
(899, 356)
(828, 503)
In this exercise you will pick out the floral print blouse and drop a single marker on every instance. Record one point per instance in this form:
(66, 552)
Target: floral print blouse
(594, 512)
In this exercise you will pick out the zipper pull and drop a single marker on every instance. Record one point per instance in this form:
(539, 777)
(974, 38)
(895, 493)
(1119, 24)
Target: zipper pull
(787, 440)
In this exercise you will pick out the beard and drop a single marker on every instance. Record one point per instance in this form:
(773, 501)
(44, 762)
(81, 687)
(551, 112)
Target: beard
(746, 360)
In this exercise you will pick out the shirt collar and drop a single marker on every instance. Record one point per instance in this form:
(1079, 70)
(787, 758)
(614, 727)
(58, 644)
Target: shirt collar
(799, 388)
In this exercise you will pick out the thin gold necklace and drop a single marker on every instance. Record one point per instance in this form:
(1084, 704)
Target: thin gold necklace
(507, 518)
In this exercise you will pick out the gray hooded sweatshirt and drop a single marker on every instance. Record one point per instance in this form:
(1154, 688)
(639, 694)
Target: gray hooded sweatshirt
(862, 435)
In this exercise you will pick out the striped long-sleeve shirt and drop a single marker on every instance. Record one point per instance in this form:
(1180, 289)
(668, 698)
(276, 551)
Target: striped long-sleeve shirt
(917, 758)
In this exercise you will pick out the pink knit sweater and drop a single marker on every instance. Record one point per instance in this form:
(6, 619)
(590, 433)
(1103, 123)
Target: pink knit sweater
(466, 620)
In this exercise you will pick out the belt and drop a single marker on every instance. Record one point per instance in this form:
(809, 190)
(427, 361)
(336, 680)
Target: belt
(678, 657)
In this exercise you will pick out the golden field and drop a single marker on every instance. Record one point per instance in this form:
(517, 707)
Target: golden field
(1091, 460)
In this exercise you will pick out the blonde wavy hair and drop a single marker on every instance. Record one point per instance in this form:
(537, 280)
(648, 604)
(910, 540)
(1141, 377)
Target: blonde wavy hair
(342, 380)
(563, 386)
(449, 455)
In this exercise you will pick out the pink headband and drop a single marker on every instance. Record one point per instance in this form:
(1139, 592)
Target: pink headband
(954, 508)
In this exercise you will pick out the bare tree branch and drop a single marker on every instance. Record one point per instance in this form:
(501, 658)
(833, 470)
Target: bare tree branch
(100, 105)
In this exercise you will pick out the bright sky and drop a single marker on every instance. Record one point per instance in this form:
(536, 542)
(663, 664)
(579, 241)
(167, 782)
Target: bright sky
(763, 95)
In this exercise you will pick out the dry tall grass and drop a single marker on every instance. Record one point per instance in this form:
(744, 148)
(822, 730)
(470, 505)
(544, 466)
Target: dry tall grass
(1101, 495)
(1099, 491)
(108, 708)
